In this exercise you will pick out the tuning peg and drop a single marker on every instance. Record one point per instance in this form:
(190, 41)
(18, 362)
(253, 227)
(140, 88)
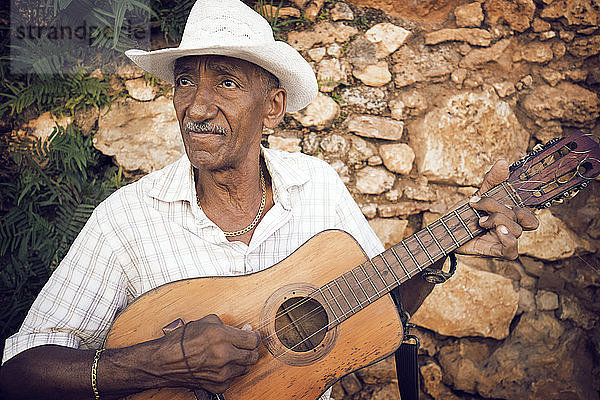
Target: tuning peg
(560, 200)
(538, 147)
(574, 193)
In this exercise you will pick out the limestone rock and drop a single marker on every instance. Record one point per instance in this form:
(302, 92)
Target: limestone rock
(389, 230)
(469, 15)
(473, 36)
(418, 189)
(539, 25)
(479, 57)
(459, 140)
(388, 37)
(141, 135)
(351, 384)
(425, 64)
(316, 54)
(535, 52)
(381, 372)
(520, 367)
(471, 303)
(270, 12)
(320, 113)
(360, 151)
(585, 47)
(504, 89)
(140, 89)
(551, 76)
(323, 32)
(553, 240)
(518, 14)
(334, 144)
(311, 10)
(129, 70)
(546, 301)
(374, 74)
(583, 12)
(291, 144)
(375, 127)
(402, 209)
(364, 99)
(341, 11)
(565, 103)
(413, 102)
(361, 52)
(42, 126)
(330, 74)
(572, 310)
(432, 380)
(397, 157)
(374, 180)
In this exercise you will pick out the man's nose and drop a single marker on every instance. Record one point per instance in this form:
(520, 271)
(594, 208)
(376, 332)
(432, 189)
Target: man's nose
(203, 106)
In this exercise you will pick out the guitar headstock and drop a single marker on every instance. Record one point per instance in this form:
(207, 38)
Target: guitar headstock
(556, 170)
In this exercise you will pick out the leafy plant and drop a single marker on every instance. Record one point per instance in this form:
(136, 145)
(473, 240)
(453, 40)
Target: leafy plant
(48, 190)
(271, 14)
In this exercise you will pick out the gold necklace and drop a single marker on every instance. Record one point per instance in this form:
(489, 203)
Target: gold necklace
(260, 211)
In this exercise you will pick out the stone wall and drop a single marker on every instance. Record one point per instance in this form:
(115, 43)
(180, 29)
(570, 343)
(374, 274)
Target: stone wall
(416, 101)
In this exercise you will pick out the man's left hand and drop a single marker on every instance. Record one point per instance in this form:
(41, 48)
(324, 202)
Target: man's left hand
(504, 224)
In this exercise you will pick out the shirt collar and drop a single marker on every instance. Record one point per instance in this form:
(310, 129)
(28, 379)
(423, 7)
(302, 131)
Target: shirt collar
(176, 181)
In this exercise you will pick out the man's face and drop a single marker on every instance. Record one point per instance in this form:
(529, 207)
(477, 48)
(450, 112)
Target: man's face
(220, 103)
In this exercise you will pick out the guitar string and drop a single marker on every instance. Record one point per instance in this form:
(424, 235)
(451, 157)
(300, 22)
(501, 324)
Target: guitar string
(460, 209)
(417, 269)
(368, 277)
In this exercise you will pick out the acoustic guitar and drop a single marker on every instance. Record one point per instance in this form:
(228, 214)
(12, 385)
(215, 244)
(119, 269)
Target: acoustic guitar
(324, 311)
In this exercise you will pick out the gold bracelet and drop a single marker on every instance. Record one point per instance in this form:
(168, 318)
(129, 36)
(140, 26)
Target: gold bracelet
(94, 377)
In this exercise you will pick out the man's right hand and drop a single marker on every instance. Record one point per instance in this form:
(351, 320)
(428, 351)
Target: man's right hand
(216, 354)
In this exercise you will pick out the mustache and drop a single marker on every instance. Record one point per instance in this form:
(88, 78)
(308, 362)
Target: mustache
(204, 127)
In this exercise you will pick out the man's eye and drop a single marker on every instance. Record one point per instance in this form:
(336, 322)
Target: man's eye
(229, 84)
(183, 82)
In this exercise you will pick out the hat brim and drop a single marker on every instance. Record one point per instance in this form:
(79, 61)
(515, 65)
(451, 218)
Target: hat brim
(279, 58)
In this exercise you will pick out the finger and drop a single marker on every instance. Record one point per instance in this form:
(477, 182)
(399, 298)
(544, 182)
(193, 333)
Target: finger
(243, 357)
(510, 248)
(490, 206)
(497, 174)
(496, 220)
(211, 319)
(243, 339)
(526, 219)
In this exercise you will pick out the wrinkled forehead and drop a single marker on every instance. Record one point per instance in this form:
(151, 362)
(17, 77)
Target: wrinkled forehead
(229, 65)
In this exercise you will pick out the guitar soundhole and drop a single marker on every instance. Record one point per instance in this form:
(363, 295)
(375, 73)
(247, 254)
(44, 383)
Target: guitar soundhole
(301, 324)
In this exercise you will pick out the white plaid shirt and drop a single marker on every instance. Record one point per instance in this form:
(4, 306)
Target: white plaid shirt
(152, 232)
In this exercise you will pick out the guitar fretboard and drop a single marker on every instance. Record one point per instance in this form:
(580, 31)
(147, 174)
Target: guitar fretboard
(367, 282)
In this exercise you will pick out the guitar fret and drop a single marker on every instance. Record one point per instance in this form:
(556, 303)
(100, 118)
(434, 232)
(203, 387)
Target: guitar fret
(360, 286)
(328, 305)
(444, 253)
(387, 265)
(343, 295)
(510, 194)
(449, 232)
(411, 255)
(378, 272)
(476, 212)
(334, 297)
(351, 291)
(424, 248)
(463, 224)
(362, 268)
(400, 262)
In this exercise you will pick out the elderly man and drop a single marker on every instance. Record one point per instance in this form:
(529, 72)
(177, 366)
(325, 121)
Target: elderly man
(228, 207)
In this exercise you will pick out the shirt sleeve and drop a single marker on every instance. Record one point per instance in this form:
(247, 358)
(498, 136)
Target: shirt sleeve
(80, 300)
(351, 219)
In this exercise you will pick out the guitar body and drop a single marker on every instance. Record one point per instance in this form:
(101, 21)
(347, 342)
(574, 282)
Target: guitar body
(284, 370)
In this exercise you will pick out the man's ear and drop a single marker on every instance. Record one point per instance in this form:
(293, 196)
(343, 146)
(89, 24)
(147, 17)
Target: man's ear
(277, 101)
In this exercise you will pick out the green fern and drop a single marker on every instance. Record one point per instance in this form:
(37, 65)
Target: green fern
(48, 190)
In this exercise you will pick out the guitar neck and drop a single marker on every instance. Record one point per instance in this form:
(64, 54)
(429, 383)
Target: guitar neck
(367, 282)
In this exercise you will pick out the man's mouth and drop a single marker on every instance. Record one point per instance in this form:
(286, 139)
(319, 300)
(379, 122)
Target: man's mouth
(203, 128)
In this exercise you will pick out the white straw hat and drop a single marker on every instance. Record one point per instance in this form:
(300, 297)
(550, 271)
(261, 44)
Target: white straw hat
(231, 28)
